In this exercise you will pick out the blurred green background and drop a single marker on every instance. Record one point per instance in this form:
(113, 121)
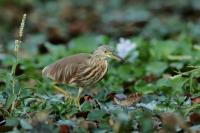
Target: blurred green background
(58, 21)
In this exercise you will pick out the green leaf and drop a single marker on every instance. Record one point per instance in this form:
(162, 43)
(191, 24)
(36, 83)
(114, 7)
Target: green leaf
(156, 68)
(147, 126)
(142, 87)
(175, 83)
(57, 51)
(9, 101)
(25, 124)
(162, 49)
(96, 114)
(86, 43)
(86, 106)
(178, 82)
(12, 122)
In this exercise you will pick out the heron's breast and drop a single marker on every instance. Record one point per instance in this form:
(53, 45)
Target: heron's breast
(102, 71)
(89, 75)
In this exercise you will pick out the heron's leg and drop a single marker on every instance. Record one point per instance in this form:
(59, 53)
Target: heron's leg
(78, 98)
(60, 90)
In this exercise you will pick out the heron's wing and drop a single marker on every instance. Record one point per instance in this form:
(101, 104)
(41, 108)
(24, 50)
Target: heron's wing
(64, 69)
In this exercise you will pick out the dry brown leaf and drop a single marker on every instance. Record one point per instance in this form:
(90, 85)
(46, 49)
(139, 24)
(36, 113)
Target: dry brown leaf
(110, 96)
(129, 100)
(150, 78)
(64, 129)
(38, 118)
(170, 121)
(89, 124)
(88, 98)
(194, 118)
(196, 100)
(81, 114)
(78, 27)
(4, 129)
(55, 35)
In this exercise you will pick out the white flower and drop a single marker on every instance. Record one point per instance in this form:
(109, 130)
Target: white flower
(125, 46)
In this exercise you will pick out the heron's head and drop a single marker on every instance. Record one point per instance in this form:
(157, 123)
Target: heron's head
(106, 52)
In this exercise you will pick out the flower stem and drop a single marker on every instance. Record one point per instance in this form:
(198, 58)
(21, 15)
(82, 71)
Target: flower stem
(16, 50)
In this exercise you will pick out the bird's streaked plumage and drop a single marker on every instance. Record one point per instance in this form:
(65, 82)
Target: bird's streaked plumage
(80, 69)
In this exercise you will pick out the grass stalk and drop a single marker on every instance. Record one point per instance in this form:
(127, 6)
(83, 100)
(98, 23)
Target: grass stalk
(16, 51)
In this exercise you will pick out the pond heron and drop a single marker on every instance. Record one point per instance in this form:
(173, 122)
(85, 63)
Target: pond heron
(81, 70)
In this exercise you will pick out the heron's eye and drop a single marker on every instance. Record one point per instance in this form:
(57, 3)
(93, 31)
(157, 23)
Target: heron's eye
(106, 51)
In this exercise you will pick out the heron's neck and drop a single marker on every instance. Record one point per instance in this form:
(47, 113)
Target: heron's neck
(95, 59)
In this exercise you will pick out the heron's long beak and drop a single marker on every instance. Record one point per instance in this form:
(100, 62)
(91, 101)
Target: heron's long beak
(116, 57)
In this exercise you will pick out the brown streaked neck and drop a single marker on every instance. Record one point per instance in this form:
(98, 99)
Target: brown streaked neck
(95, 59)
